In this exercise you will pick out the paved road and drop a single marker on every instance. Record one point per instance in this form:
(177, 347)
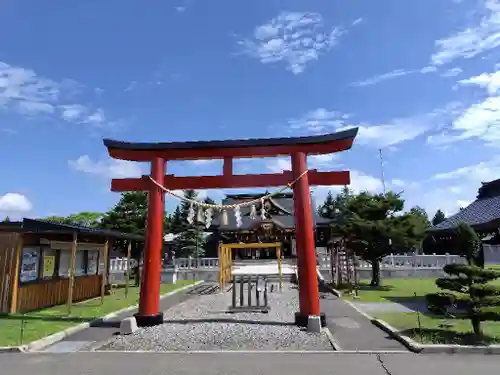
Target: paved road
(353, 331)
(96, 363)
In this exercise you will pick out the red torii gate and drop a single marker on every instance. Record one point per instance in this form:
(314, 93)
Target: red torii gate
(298, 148)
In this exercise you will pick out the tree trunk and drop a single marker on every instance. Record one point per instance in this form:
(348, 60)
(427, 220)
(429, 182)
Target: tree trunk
(476, 326)
(375, 273)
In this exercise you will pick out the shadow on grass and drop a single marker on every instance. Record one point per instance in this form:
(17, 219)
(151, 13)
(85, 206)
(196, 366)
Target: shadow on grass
(227, 320)
(444, 336)
(365, 287)
(411, 302)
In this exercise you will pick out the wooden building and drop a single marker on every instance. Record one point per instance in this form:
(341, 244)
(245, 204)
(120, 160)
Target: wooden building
(44, 264)
(277, 226)
(483, 215)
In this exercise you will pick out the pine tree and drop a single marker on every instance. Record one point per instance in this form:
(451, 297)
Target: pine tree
(373, 230)
(190, 241)
(176, 225)
(439, 217)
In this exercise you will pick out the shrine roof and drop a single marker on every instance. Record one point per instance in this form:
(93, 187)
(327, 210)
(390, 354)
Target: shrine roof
(259, 147)
(483, 213)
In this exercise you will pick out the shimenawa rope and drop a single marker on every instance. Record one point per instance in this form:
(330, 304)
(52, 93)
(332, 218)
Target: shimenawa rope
(221, 207)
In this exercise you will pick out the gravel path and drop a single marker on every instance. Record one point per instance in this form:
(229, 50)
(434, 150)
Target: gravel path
(202, 323)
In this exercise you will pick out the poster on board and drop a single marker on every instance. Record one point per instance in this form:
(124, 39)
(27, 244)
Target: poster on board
(29, 265)
(49, 264)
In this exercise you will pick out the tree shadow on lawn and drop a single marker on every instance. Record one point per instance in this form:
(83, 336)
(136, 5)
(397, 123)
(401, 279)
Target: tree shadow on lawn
(411, 302)
(366, 287)
(447, 336)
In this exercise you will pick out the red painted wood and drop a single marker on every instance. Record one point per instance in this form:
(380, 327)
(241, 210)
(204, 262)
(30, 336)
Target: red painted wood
(228, 166)
(225, 182)
(149, 300)
(306, 251)
(220, 153)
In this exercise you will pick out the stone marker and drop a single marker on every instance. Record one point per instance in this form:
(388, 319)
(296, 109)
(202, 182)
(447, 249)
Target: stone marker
(314, 324)
(128, 326)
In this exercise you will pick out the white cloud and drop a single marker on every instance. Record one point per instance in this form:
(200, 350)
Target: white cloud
(278, 165)
(382, 77)
(32, 108)
(22, 88)
(357, 21)
(326, 161)
(489, 81)
(319, 120)
(293, 38)
(113, 168)
(475, 39)
(360, 182)
(24, 91)
(480, 120)
(13, 203)
(397, 183)
(395, 131)
(452, 72)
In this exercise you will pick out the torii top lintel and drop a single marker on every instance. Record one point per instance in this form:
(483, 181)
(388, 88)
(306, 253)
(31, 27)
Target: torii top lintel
(243, 148)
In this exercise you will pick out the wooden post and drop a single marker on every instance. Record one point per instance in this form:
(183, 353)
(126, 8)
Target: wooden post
(127, 272)
(71, 276)
(221, 267)
(16, 275)
(104, 275)
(280, 275)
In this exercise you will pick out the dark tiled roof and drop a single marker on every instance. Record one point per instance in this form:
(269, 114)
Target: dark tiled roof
(283, 202)
(41, 226)
(479, 212)
(260, 142)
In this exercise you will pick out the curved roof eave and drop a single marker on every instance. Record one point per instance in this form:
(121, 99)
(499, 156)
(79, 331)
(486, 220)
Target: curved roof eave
(316, 144)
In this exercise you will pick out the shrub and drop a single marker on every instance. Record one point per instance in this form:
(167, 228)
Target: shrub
(474, 282)
(438, 303)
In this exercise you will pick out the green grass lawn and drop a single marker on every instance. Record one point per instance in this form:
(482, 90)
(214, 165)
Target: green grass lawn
(41, 323)
(435, 329)
(392, 289)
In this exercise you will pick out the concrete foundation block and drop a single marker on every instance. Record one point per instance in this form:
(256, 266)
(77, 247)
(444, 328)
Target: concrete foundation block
(314, 324)
(128, 326)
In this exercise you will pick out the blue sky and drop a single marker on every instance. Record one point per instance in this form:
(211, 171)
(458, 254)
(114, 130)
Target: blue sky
(420, 78)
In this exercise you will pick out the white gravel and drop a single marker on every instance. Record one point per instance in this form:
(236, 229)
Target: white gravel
(202, 323)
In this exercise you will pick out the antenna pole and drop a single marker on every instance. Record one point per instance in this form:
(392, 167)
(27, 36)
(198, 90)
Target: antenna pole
(382, 169)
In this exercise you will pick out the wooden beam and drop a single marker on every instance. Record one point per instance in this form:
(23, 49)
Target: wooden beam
(127, 273)
(71, 279)
(105, 270)
(235, 181)
(228, 166)
(235, 152)
(257, 245)
(16, 271)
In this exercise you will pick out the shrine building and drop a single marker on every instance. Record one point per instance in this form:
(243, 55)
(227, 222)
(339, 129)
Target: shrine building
(276, 223)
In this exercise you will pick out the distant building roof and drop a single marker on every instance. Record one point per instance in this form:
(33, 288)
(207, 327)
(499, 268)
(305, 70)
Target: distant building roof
(480, 214)
(280, 209)
(42, 226)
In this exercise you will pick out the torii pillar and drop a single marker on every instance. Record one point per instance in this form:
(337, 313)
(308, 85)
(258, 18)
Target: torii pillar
(149, 302)
(158, 154)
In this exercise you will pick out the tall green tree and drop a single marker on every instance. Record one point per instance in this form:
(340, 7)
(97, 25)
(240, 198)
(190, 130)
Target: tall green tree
(6, 220)
(439, 217)
(190, 241)
(129, 215)
(176, 224)
(376, 228)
